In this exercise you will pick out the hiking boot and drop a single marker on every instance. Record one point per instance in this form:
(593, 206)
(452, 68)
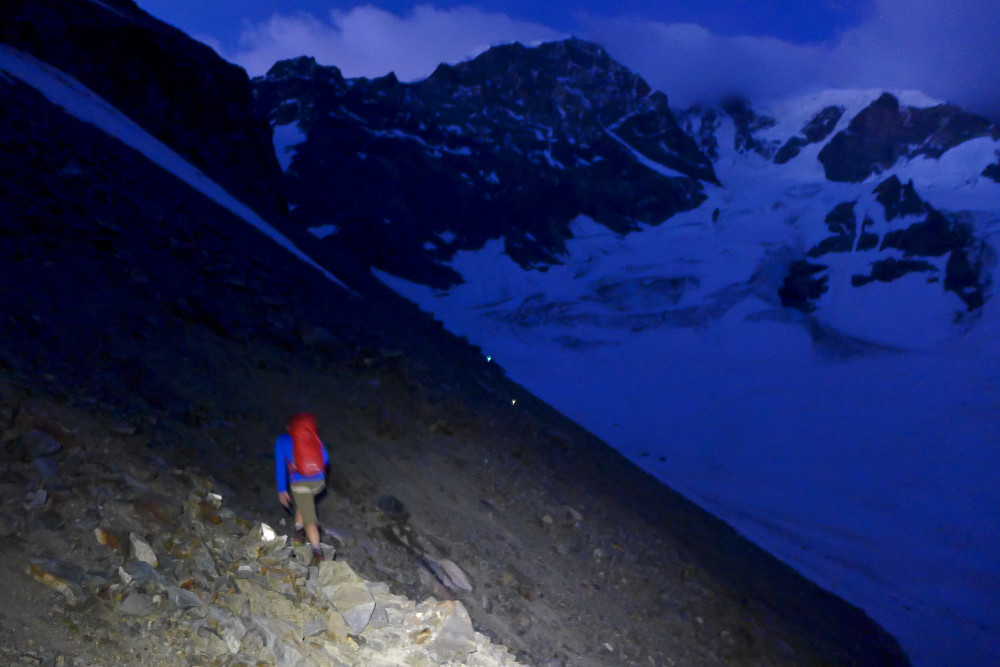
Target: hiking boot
(300, 537)
(317, 557)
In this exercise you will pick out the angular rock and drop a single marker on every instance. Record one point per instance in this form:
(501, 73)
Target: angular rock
(266, 603)
(137, 604)
(140, 570)
(455, 636)
(212, 643)
(183, 598)
(286, 655)
(233, 632)
(161, 508)
(141, 550)
(334, 573)
(279, 642)
(355, 604)
(430, 581)
(314, 627)
(391, 505)
(123, 428)
(448, 573)
(261, 540)
(205, 563)
(337, 628)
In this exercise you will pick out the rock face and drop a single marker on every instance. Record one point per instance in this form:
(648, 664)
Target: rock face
(514, 144)
(993, 172)
(885, 132)
(749, 125)
(178, 89)
(913, 229)
(816, 130)
(747, 122)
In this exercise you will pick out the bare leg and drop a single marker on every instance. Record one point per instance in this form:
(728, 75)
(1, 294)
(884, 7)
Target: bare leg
(312, 532)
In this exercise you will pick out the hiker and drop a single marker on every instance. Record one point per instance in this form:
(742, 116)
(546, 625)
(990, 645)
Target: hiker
(301, 456)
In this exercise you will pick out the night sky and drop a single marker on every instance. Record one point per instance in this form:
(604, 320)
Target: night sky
(692, 51)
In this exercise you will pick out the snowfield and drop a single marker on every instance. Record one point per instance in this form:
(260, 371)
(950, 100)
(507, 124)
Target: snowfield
(860, 445)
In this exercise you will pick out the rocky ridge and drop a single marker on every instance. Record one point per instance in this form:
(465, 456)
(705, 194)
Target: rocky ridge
(436, 166)
(885, 132)
(874, 139)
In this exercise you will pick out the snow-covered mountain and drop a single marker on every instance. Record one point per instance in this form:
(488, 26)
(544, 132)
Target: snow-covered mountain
(841, 199)
(786, 312)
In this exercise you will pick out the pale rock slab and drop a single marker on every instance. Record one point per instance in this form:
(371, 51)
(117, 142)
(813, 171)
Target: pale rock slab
(141, 550)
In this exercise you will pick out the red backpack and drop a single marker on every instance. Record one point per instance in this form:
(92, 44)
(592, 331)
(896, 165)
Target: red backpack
(307, 450)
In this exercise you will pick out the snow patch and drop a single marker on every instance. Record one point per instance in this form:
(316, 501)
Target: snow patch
(285, 139)
(645, 161)
(323, 231)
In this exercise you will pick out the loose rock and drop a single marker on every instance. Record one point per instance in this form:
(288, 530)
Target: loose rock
(141, 550)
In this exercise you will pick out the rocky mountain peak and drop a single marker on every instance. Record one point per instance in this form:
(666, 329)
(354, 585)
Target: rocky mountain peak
(562, 83)
(885, 132)
(304, 67)
(816, 130)
(703, 122)
(514, 144)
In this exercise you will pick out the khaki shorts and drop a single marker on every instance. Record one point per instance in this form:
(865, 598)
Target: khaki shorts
(304, 494)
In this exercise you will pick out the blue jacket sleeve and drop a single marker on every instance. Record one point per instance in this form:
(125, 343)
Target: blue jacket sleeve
(281, 464)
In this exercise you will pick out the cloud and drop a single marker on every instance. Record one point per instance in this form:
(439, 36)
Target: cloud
(367, 41)
(948, 49)
(691, 64)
